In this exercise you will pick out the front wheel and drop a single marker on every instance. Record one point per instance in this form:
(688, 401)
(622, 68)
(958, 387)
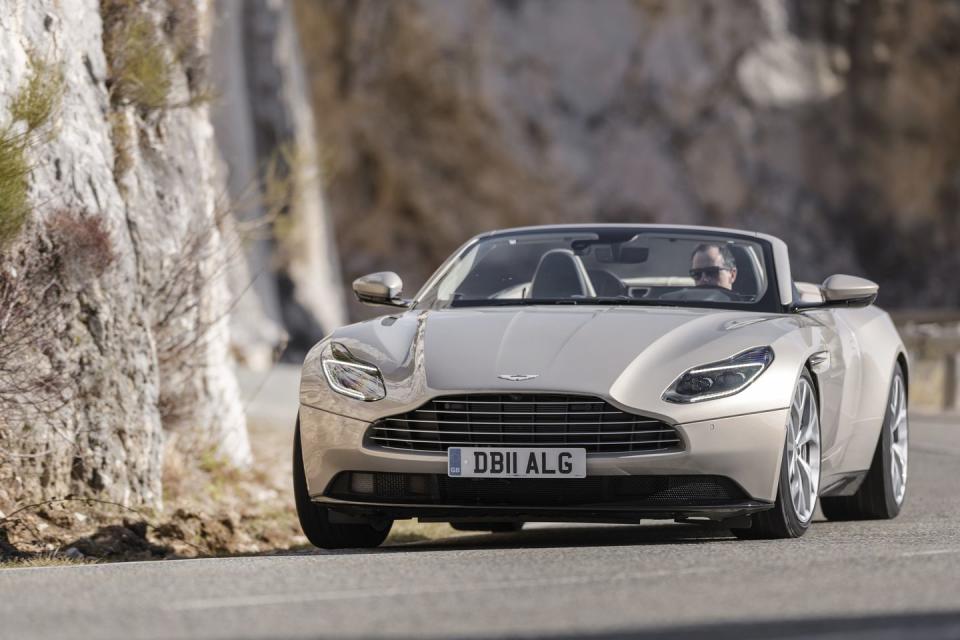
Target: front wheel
(881, 495)
(799, 471)
(315, 519)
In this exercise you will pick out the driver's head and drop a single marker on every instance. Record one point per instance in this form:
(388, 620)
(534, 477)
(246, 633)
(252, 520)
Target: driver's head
(713, 265)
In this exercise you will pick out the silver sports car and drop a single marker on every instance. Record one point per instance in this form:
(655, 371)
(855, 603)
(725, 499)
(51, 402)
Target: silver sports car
(605, 373)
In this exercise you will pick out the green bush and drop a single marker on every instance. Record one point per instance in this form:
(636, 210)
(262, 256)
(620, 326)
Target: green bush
(14, 171)
(39, 99)
(34, 105)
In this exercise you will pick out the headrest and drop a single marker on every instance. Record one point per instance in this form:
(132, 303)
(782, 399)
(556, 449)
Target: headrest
(560, 274)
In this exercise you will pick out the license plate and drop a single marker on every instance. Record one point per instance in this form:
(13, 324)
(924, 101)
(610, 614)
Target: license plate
(484, 462)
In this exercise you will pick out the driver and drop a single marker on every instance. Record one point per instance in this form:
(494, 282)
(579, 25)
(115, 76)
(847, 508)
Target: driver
(713, 266)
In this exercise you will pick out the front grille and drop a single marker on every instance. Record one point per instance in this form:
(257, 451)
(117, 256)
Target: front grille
(523, 420)
(637, 491)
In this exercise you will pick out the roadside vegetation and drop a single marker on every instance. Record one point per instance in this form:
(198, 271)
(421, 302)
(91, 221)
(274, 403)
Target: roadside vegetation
(144, 53)
(44, 560)
(211, 509)
(140, 70)
(31, 113)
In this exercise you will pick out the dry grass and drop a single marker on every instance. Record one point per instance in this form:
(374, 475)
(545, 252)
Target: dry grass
(14, 185)
(215, 508)
(413, 531)
(211, 509)
(44, 560)
(140, 68)
(38, 101)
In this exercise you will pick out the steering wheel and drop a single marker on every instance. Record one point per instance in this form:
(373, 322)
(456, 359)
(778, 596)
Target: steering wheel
(707, 293)
(715, 287)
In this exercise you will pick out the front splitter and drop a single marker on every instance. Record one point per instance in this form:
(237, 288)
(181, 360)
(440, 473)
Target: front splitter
(607, 513)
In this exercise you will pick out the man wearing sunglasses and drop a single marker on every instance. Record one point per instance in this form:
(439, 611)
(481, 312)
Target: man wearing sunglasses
(713, 266)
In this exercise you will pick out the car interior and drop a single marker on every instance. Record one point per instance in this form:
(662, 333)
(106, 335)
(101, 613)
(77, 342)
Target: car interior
(648, 268)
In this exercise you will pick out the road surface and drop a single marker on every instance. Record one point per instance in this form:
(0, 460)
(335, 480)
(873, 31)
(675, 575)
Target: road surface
(875, 580)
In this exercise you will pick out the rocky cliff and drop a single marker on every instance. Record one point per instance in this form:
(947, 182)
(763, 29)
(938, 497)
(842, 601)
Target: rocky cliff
(113, 297)
(831, 124)
(267, 134)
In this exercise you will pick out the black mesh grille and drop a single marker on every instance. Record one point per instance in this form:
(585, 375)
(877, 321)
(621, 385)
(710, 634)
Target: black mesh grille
(639, 491)
(523, 420)
(390, 485)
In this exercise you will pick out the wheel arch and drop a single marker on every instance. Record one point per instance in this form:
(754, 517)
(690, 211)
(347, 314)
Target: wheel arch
(903, 361)
(808, 365)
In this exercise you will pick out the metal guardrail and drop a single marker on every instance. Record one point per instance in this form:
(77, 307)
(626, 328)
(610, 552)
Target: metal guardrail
(934, 335)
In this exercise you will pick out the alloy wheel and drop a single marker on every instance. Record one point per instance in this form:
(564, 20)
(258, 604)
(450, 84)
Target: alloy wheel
(898, 440)
(803, 451)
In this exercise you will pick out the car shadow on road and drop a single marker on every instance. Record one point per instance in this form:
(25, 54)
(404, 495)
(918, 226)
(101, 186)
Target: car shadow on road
(549, 537)
(574, 536)
(929, 626)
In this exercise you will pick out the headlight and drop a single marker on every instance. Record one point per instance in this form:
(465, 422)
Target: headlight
(720, 379)
(349, 376)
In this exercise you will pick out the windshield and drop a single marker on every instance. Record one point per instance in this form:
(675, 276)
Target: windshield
(607, 266)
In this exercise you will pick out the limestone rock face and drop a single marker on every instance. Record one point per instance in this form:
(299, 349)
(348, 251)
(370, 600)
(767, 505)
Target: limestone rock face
(828, 124)
(267, 135)
(129, 342)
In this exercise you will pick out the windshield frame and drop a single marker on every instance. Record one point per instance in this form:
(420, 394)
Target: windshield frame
(769, 303)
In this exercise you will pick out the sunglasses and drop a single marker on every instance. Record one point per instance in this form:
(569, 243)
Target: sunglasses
(709, 272)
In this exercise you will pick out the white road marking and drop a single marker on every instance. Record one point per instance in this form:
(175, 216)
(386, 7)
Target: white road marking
(229, 602)
(928, 552)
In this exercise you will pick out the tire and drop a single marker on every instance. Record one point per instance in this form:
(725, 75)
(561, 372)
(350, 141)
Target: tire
(786, 519)
(877, 498)
(315, 521)
(493, 527)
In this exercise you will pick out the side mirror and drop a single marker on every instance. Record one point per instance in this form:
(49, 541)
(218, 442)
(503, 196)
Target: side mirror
(838, 291)
(843, 290)
(383, 287)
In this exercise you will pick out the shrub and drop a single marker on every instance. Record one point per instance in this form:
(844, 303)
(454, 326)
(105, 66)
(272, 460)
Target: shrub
(68, 251)
(139, 66)
(38, 101)
(31, 110)
(14, 170)
(82, 245)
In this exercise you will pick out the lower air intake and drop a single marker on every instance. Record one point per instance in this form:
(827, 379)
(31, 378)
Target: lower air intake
(638, 491)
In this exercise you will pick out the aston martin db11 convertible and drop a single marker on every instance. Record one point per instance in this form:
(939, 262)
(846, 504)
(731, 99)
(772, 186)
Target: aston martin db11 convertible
(605, 373)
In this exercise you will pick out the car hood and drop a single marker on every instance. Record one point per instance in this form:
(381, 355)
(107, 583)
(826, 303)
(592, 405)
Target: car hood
(589, 347)
(628, 355)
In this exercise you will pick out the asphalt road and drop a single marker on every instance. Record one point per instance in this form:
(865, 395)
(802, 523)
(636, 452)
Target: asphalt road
(880, 580)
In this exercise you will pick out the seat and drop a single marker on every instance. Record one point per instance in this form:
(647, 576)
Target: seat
(560, 274)
(606, 284)
(746, 283)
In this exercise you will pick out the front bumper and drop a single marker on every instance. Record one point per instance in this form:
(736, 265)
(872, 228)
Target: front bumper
(747, 449)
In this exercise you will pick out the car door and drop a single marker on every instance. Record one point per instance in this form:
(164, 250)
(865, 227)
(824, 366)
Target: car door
(839, 376)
